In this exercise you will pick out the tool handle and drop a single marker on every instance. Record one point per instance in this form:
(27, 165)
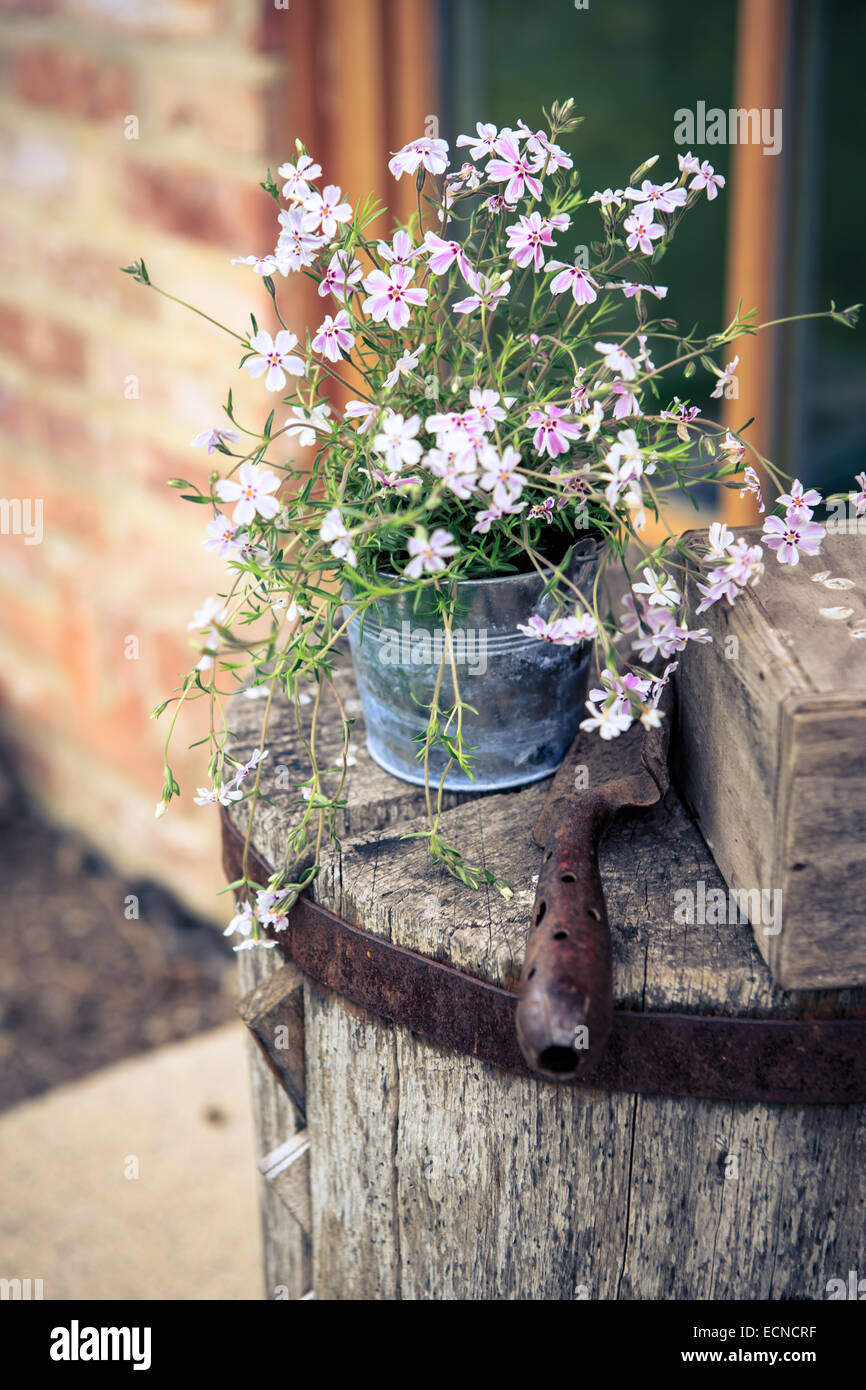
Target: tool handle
(565, 1008)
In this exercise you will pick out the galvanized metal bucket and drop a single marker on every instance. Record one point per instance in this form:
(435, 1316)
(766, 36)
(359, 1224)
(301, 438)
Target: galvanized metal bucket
(529, 694)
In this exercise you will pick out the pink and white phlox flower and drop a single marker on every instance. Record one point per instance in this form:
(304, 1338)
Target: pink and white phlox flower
(402, 250)
(515, 168)
(275, 357)
(553, 430)
(212, 439)
(328, 211)
(642, 231)
(211, 796)
(578, 389)
(719, 539)
(342, 276)
(500, 475)
(745, 565)
(593, 422)
(789, 535)
(252, 490)
(707, 178)
(643, 357)
(389, 296)
(609, 721)
(527, 239)
(454, 462)
(683, 414)
(465, 179)
(486, 410)
(753, 482)
(484, 293)
(800, 502)
(403, 366)
(333, 339)
(262, 265)
(443, 254)
(573, 277)
(334, 533)
(688, 163)
(299, 243)
(389, 480)
(726, 379)
(616, 360)
(484, 519)
(430, 554)
(630, 288)
(430, 153)
(667, 197)
(220, 536)
(363, 411)
(609, 197)
(733, 449)
(563, 632)
(626, 455)
(721, 585)
(627, 402)
(397, 442)
(659, 588)
(481, 145)
(665, 636)
(858, 499)
(307, 427)
(257, 756)
(298, 177)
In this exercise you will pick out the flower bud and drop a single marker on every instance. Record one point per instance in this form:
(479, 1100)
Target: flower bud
(642, 168)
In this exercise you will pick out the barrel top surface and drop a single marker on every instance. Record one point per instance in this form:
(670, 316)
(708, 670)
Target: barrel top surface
(386, 884)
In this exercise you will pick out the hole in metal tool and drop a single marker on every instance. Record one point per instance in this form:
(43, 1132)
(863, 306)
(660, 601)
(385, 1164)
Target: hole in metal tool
(558, 1059)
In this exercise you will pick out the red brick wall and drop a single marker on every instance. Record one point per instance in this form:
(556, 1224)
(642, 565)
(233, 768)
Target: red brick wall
(103, 384)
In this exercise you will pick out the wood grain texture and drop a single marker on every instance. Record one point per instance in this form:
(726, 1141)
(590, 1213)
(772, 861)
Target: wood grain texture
(288, 1271)
(435, 1176)
(772, 754)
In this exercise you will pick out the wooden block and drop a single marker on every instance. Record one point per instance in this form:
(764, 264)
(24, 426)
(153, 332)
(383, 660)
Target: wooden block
(274, 1013)
(288, 1255)
(287, 1170)
(771, 756)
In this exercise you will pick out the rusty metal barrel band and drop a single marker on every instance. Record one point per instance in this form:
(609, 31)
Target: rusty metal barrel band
(796, 1061)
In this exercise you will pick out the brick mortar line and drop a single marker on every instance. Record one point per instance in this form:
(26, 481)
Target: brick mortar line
(138, 54)
(205, 260)
(240, 31)
(27, 118)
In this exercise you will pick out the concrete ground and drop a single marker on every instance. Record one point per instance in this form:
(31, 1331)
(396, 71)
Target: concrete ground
(138, 1181)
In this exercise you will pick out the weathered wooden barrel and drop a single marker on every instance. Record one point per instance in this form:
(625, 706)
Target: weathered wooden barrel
(718, 1153)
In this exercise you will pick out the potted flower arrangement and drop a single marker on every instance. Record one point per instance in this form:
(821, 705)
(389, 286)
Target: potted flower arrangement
(502, 435)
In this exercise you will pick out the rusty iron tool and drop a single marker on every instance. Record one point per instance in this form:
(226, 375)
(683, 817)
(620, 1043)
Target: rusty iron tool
(565, 1009)
(792, 1060)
